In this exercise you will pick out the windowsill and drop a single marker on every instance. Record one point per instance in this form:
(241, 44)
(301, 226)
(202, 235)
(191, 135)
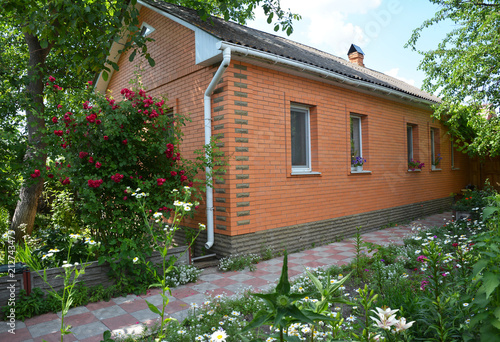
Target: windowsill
(455, 168)
(416, 170)
(308, 173)
(436, 169)
(353, 172)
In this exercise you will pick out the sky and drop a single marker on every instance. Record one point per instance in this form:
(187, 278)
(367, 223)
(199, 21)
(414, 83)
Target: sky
(380, 27)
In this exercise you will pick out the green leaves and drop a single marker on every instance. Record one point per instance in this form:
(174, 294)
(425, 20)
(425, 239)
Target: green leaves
(153, 308)
(463, 70)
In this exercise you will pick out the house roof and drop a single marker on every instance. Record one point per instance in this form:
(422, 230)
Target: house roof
(251, 38)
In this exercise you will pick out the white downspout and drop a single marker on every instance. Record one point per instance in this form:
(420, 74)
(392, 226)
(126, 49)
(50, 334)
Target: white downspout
(208, 134)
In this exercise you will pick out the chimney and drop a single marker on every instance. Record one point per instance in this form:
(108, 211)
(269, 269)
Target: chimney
(356, 55)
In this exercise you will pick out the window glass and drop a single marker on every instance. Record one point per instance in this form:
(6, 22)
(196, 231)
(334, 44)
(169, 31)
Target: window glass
(356, 146)
(409, 141)
(300, 139)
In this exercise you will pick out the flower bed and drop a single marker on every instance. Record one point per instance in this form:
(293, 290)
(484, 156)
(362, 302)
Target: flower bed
(95, 274)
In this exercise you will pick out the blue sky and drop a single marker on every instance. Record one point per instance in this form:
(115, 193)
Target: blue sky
(380, 27)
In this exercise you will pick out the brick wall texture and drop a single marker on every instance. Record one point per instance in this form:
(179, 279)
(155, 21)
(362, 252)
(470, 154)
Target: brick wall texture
(258, 200)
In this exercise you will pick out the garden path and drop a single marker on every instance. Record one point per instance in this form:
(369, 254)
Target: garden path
(126, 315)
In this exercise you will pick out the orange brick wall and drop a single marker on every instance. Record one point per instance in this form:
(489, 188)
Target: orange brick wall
(252, 112)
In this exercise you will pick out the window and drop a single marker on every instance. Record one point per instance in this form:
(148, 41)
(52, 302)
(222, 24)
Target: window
(409, 142)
(356, 138)
(435, 149)
(301, 139)
(146, 29)
(412, 149)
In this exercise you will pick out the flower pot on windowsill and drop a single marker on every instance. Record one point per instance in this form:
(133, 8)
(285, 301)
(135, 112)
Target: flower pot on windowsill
(357, 168)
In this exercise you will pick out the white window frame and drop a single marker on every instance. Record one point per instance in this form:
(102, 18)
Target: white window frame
(409, 141)
(358, 118)
(149, 29)
(303, 168)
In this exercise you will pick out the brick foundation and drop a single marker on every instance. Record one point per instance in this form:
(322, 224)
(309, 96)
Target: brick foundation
(318, 233)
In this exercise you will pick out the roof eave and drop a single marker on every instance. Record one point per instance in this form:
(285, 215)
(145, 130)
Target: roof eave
(322, 73)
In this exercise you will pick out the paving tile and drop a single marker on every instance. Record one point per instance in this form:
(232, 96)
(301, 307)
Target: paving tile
(95, 338)
(241, 277)
(136, 305)
(256, 282)
(55, 337)
(119, 322)
(197, 299)
(272, 269)
(111, 311)
(180, 293)
(223, 282)
(94, 329)
(80, 319)
(270, 277)
(210, 277)
(144, 315)
(202, 288)
(6, 326)
(237, 288)
(180, 315)
(40, 319)
(22, 334)
(155, 300)
(151, 292)
(45, 328)
(74, 311)
(128, 298)
(99, 305)
(178, 305)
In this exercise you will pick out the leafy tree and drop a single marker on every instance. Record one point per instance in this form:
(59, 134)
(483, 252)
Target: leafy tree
(70, 40)
(464, 70)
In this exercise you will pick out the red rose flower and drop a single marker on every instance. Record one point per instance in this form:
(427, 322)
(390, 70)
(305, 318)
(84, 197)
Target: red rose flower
(173, 173)
(117, 178)
(83, 155)
(98, 165)
(125, 142)
(95, 183)
(160, 181)
(183, 178)
(35, 174)
(106, 137)
(54, 120)
(51, 175)
(91, 160)
(65, 181)
(51, 79)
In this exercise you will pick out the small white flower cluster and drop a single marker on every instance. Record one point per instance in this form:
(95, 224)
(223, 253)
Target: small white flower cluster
(137, 193)
(231, 263)
(183, 274)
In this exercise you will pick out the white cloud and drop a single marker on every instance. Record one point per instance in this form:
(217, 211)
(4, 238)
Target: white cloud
(325, 24)
(395, 73)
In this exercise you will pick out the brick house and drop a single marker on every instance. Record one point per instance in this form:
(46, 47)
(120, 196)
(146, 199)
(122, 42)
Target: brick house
(291, 118)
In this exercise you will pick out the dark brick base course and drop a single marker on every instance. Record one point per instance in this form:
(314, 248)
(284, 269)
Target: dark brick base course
(319, 233)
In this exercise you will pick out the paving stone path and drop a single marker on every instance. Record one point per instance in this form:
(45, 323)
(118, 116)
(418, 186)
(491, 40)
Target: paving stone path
(127, 315)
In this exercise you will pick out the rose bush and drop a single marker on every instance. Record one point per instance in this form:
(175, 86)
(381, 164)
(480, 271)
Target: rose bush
(100, 147)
